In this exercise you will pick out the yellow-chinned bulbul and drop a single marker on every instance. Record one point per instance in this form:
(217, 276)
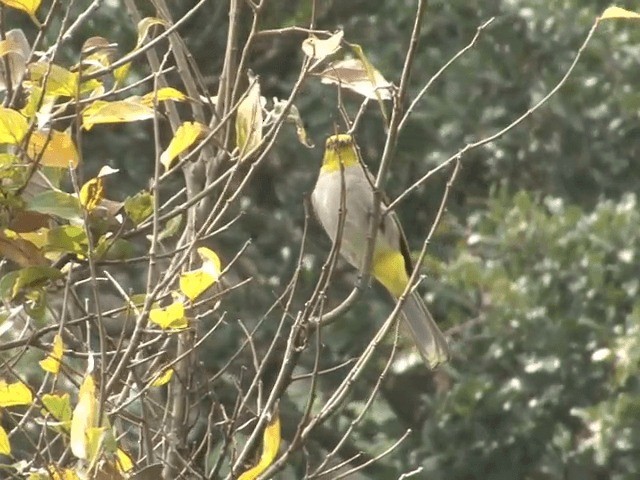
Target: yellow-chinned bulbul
(391, 262)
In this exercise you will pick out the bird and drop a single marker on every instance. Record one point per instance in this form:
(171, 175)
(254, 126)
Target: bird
(344, 182)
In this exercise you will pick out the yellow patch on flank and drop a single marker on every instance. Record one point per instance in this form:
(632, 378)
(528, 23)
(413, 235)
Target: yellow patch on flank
(389, 270)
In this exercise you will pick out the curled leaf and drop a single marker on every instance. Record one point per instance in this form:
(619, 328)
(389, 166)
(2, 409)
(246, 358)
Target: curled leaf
(84, 419)
(196, 282)
(318, 49)
(16, 47)
(353, 74)
(145, 25)
(249, 120)
(186, 135)
(270, 447)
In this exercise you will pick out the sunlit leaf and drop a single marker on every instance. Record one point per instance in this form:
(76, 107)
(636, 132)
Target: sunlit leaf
(20, 250)
(5, 446)
(122, 111)
(28, 6)
(58, 473)
(14, 394)
(53, 149)
(162, 95)
(139, 207)
(59, 407)
(144, 25)
(186, 135)
(249, 120)
(13, 126)
(270, 447)
(196, 282)
(617, 12)
(51, 364)
(123, 461)
(318, 49)
(352, 74)
(59, 80)
(57, 203)
(171, 317)
(210, 262)
(84, 419)
(164, 378)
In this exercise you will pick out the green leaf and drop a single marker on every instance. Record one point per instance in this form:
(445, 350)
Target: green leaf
(67, 239)
(13, 282)
(57, 203)
(139, 207)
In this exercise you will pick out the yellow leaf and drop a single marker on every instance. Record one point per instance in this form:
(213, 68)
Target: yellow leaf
(185, 136)
(270, 447)
(195, 283)
(13, 126)
(123, 461)
(170, 317)
(92, 193)
(249, 120)
(28, 6)
(162, 95)
(617, 12)
(84, 419)
(59, 80)
(144, 25)
(318, 49)
(96, 436)
(120, 74)
(5, 446)
(130, 110)
(210, 262)
(58, 473)
(13, 394)
(163, 378)
(51, 364)
(53, 148)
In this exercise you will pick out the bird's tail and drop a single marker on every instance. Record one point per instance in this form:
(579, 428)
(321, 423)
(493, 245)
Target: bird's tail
(427, 336)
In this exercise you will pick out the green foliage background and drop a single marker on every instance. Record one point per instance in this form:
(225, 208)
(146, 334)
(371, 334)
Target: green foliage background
(538, 253)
